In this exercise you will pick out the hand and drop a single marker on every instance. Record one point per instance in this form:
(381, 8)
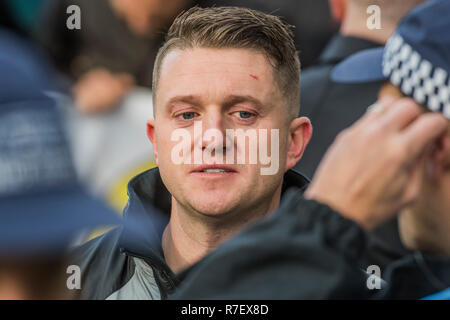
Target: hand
(99, 90)
(373, 169)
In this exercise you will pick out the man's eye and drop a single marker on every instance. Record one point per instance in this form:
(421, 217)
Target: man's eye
(188, 115)
(245, 114)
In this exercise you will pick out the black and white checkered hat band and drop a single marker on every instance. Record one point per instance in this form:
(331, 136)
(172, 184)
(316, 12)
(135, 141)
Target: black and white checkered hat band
(415, 76)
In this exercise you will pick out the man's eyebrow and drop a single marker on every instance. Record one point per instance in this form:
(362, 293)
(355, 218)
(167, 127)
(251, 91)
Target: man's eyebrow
(190, 99)
(234, 99)
(228, 102)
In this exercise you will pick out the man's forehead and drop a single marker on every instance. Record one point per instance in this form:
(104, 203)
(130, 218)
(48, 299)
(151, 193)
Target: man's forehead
(209, 60)
(215, 72)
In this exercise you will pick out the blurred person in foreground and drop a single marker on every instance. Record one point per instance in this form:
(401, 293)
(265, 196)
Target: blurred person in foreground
(221, 68)
(112, 52)
(394, 159)
(43, 209)
(332, 106)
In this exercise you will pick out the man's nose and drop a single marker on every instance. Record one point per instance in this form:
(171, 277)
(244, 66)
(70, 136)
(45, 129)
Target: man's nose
(214, 131)
(210, 133)
(213, 120)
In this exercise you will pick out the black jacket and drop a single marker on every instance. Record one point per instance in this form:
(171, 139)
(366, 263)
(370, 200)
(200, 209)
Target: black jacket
(332, 107)
(128, 262)
(307, 251)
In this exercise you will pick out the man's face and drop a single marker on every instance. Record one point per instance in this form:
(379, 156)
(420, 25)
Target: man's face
(219, 89)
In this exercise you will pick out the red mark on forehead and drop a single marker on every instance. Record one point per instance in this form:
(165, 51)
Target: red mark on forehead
(253, 76)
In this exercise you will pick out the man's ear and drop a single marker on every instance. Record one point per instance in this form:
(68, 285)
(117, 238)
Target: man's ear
(338, 9)
(151, 135)
(300, 132)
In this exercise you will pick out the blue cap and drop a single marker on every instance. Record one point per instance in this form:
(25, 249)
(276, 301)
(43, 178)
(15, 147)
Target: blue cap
(416, 58)
(42, 205)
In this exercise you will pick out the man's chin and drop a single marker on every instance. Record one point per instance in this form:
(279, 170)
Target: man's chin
(214, 205)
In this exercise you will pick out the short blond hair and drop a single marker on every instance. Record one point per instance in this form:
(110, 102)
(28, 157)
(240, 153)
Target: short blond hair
(234, 27)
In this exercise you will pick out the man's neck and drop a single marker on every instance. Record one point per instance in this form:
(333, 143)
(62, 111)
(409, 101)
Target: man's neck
(189, 237)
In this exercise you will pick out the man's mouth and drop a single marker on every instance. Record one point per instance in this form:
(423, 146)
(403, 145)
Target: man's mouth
(217, 169)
